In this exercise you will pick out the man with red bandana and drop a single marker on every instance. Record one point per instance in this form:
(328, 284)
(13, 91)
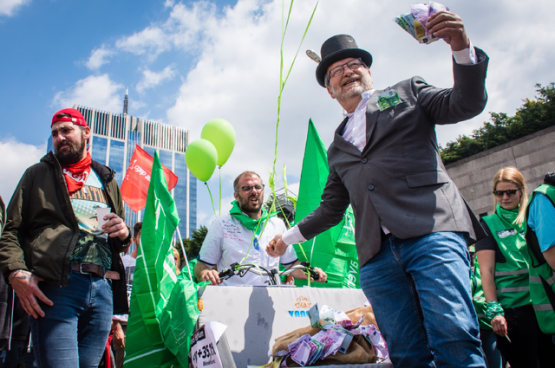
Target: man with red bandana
(238, 235)
(61, 254)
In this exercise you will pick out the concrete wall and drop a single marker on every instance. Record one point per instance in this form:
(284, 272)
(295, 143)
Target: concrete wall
(533, 155)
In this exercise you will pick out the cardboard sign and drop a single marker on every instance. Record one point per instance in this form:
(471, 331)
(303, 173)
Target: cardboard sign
(204, 352)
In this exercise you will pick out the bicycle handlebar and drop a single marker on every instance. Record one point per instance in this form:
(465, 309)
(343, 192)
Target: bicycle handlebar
(274, 275)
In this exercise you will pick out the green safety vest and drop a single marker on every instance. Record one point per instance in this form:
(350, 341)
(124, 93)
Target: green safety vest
(542, 277)
(511, 277)
(478, 297)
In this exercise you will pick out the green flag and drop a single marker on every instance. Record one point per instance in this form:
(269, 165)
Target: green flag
(154, 278)
(334, 250)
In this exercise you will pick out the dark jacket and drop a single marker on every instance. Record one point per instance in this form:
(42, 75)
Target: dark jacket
(14, 321)
(399, 180)
(41, 228)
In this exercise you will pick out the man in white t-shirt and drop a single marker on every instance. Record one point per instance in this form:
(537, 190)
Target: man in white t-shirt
(238, 235)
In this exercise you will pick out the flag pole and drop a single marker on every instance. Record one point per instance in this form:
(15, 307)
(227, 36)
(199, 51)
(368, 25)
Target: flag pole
(184, 254)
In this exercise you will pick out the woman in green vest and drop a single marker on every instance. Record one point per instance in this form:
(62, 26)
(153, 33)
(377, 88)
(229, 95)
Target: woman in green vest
(503, 259)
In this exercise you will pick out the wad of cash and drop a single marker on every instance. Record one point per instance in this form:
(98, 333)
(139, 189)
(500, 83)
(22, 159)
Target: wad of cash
(414, 22)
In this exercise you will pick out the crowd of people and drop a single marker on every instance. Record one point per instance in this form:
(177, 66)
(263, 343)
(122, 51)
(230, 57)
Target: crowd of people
(66, 283)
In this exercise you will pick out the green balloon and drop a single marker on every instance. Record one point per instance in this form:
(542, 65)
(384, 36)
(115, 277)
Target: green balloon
(222, 136)
(201, 158)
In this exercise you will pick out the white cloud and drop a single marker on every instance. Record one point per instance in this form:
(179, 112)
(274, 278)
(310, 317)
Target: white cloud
(9, 7)
(137, 104)
(294, 188)
(16, 158)
(151, 79)
(235, 54)
(151, 40)
(183, 29)
(98, 91)
(98, 58)
(236, 75)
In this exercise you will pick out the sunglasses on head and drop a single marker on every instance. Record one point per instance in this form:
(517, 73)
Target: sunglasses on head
(501, 193)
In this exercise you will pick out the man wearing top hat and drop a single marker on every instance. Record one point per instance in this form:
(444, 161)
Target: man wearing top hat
(412, 224)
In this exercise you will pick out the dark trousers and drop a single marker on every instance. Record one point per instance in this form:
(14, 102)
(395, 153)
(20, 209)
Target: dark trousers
(529, 346)
(18, 353)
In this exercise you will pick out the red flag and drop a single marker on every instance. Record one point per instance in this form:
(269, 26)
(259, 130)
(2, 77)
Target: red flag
(134, 188)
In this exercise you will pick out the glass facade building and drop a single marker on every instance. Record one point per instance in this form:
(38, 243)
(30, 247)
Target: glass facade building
(113, 141)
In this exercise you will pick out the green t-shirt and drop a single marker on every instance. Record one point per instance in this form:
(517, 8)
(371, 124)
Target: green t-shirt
(92, 245)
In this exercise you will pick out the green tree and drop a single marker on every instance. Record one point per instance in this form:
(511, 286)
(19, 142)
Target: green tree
(532, 116)
(192, 246)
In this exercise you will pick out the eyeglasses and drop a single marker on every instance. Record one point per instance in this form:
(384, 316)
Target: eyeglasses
(340, 69)
(249, 188)
(510, 192)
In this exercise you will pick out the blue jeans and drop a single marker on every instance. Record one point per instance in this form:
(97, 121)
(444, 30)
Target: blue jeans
(74, 331)
(419, 289)
(489, 344)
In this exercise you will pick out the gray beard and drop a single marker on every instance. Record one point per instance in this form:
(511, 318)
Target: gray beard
(343, 96)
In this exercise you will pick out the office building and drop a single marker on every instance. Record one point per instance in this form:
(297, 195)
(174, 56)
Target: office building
(112, 143)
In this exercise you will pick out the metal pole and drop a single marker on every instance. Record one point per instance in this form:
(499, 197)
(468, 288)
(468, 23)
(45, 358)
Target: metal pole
(184, 254)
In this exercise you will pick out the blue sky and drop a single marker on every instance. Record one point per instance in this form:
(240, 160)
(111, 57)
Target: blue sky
(188, 62)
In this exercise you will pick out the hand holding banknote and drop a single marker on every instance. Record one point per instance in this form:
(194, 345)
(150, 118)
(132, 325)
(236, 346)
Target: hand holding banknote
(427, 23)
(450, 27)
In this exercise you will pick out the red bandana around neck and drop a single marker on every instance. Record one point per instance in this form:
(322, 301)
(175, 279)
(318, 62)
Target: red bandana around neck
(76, 174)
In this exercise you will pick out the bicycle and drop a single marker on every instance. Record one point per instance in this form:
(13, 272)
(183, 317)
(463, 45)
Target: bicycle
(274, 276)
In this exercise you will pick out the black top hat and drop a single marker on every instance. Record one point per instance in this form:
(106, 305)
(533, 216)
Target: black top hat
(336, 48)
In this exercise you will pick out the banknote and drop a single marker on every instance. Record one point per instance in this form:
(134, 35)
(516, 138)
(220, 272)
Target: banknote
(408, 27)
(414, 23)
(346, 341)
(295, 344)
(314, 316)
(323, 338)
(316, 349)
(376, 339)
(337, 337)
(409, 19)
(301, 354)
(388, 99)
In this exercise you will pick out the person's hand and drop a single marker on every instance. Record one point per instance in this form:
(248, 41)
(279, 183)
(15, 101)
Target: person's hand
(119, 336)
(499, 325)
(25, 285)
(323, 277)
(212, 276)
(115, 226)
(448, 25)
(277, 247)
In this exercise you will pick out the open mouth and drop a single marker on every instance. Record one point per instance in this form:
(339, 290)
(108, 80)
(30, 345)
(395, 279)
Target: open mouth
(351, 82)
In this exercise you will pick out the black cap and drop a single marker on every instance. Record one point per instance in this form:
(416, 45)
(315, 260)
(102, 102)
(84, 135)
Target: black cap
(337, 48)
(549, 179)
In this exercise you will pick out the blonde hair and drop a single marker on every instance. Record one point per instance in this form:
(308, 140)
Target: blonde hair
(512, 175)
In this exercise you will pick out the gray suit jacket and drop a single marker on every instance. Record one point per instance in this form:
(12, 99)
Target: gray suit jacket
(399, 180)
